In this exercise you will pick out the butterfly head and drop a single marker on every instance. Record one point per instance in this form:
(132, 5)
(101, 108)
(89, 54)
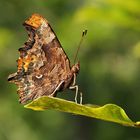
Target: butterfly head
(75, 68)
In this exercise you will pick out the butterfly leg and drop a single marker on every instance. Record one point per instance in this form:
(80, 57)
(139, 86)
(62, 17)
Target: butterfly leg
(76, 93)
(57, 88)
(74, 80)
(81, 97)
(74, 86)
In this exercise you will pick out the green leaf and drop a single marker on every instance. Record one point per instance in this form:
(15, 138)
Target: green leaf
(108, 112)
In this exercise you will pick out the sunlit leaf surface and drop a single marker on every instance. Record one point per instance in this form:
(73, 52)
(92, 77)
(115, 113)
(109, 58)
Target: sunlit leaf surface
(108, 112)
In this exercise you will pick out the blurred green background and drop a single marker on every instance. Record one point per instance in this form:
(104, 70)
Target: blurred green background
(110, 67)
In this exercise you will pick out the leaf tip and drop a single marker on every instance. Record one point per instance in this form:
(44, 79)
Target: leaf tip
(137, 124)
(36, 108)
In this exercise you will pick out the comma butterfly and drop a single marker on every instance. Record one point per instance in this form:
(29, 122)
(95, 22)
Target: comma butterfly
(43, 66)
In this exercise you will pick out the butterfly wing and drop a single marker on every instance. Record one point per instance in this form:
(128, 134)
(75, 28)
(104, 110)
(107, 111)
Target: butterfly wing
(42, 64)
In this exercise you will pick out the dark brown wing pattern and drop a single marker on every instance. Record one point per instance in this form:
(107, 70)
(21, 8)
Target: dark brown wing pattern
(43, 67)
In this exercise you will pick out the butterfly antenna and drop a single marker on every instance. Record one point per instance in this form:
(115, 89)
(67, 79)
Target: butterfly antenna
(82, 37)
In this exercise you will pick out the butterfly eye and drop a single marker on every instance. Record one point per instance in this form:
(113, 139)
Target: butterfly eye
(39, 76)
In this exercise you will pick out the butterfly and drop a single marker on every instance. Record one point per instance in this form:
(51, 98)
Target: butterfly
(43, 66)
